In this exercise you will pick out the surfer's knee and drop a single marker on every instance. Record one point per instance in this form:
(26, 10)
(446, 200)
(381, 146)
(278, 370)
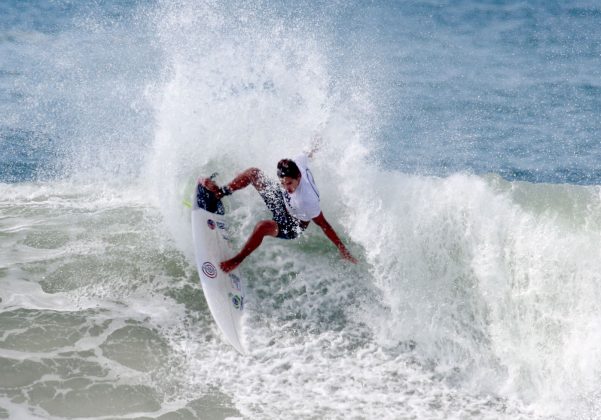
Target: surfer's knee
(257, 177)
(267, 228)
(254, 173)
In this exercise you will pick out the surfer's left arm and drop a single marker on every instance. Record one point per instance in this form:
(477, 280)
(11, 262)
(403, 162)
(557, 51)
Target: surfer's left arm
(332, 236)
(315, 145)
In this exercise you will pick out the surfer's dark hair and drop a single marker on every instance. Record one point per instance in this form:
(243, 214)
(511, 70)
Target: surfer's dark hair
(287, 167)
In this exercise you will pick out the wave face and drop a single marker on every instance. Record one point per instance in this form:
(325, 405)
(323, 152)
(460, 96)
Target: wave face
(477, 291)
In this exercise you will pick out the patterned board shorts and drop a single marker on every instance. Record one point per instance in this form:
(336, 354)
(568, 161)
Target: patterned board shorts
(289, 227)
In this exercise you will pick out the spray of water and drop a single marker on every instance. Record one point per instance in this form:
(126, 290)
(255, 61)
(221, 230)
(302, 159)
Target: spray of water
(496, 294)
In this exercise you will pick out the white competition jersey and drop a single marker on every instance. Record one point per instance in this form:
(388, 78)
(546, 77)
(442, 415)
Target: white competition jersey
(303, 203)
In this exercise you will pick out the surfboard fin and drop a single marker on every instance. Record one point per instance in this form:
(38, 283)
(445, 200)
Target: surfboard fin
(187, 191)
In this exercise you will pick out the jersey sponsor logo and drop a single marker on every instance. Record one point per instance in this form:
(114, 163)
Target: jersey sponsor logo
(235, 281)
(211, 224)
(209, 270)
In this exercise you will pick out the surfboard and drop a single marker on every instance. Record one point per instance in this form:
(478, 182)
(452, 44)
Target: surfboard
(224, 292)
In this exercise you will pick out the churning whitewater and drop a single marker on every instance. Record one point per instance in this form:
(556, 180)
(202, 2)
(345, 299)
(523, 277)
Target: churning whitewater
(475, 215)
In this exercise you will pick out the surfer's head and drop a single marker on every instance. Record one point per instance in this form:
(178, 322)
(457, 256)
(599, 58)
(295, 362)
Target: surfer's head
(289, 174)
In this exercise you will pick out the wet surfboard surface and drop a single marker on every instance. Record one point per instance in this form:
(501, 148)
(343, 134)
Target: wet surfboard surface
(224, 292)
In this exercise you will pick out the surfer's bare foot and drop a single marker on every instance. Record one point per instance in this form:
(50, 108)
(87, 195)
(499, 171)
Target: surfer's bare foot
(230, 264)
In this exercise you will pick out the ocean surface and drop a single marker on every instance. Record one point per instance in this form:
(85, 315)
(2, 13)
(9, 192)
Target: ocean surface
(459, 161)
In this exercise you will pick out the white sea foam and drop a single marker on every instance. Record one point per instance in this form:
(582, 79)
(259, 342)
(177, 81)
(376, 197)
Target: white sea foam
(475, 294)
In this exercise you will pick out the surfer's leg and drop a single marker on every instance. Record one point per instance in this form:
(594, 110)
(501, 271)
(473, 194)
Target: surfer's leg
(262, 229)
(253, 176)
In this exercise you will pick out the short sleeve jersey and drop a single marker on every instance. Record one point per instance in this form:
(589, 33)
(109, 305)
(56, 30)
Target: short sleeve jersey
(303, 203)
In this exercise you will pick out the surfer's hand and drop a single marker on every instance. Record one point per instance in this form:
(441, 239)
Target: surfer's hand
(347, 256)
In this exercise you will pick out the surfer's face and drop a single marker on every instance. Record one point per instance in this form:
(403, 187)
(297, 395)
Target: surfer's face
(290, 184)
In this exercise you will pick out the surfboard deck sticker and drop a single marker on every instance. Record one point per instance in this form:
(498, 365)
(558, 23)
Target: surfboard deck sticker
(224, 292)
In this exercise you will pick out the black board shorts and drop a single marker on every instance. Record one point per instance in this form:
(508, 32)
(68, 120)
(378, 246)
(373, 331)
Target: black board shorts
(289, 227)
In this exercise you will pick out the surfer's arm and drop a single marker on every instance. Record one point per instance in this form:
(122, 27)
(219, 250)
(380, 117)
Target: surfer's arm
(315, 145)
(332, 236)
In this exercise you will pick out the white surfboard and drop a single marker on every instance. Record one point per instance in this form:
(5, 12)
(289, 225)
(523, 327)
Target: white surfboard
(224, 292)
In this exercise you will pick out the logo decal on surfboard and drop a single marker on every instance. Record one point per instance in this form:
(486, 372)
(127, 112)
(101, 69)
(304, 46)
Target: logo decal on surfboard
(237, 301)
(235, 281)
(209, 270)
(211, 224)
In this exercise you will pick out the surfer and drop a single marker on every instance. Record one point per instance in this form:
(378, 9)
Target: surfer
(293, 202)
